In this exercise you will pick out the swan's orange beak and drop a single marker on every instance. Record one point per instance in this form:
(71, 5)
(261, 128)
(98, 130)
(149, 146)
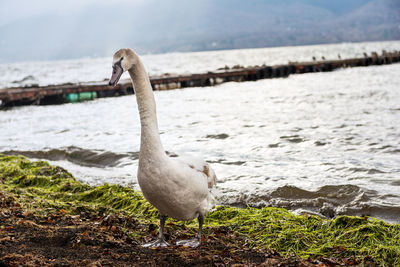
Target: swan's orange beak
(116, 74)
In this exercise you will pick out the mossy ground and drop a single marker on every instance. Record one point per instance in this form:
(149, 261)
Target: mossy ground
(44, 189)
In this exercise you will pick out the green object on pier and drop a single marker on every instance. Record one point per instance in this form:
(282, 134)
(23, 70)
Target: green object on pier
(83, 96)
(87, 96)
(72, 98)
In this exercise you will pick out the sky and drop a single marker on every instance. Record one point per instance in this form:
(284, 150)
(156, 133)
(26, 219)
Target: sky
(54, 29)
(12, 10)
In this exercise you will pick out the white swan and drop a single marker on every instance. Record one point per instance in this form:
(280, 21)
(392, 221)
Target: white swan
(177, 187)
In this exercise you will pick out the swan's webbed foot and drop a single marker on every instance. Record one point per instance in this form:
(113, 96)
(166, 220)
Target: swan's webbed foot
(196, 241)
(191, 243)
(158, 243)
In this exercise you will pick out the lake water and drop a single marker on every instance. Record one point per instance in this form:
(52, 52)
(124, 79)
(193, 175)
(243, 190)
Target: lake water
(327, 143)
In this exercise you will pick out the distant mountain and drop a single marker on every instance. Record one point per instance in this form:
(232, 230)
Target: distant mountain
(156, 26)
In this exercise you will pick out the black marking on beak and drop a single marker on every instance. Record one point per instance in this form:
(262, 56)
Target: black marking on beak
(117, 72)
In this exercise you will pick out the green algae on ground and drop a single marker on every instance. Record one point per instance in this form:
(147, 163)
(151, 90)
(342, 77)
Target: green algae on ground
(44, 188)
(311, 236)
(39, 185)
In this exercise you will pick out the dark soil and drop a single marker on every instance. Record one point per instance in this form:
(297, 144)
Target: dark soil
(87, 239)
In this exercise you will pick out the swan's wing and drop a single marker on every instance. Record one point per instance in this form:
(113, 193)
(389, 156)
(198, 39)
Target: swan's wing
(201, 166)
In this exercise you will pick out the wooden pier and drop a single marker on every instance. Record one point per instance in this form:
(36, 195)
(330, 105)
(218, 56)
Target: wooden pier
(67, 93)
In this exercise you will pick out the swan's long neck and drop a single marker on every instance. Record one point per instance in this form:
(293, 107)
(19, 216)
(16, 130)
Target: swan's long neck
(150, 144)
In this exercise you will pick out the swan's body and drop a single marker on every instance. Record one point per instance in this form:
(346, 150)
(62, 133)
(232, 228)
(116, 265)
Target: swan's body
(177, 187)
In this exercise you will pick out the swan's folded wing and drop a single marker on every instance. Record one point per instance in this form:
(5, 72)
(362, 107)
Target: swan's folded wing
(200, 165)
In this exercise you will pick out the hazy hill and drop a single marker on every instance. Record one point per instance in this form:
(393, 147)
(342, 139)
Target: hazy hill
(181, 25)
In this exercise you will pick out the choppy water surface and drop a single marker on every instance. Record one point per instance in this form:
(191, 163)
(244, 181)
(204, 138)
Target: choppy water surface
(328, 143)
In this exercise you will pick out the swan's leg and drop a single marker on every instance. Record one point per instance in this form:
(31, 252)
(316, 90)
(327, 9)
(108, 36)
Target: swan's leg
(160, 241)
(199, 232)
(196, 241)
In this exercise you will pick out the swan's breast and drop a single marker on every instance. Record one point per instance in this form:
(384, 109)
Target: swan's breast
(174, 189)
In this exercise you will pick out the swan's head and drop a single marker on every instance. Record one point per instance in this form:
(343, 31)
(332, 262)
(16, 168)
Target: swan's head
(123, 60)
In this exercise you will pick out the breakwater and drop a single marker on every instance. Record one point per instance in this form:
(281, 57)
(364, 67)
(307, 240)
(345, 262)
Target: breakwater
(70, 93)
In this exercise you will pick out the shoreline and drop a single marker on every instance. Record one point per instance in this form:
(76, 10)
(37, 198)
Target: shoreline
(43, 200)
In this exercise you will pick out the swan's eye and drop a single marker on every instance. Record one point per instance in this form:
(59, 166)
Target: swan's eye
(122, 58)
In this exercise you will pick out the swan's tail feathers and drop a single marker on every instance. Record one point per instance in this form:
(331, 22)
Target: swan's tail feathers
(211, 177)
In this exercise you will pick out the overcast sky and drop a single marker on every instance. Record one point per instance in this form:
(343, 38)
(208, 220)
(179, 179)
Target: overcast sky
(11, 10)
(61, 29)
